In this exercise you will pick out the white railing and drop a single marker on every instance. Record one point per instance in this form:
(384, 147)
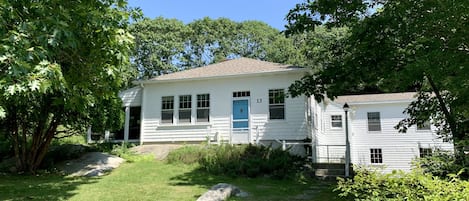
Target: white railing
(330, 153)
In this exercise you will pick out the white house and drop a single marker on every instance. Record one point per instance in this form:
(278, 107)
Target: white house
(374, 140)
(243, 101)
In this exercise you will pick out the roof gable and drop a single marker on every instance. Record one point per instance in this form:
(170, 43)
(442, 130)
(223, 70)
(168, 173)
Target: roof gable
(234, 67)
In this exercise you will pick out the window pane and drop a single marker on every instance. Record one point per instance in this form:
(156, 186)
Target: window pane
(167, 116)
(374, 121)
(276, 104)
(167, 102)
(276, 96)
(376, 156)
(184, 116)
(203, 115)
(424, 152)
(336, 121)
(185, 101)
(203, 107)
(277, 112)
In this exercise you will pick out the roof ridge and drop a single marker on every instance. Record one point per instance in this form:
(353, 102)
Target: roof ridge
(237, 66)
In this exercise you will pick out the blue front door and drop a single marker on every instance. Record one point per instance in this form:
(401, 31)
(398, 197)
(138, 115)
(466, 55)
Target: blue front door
(240, 121)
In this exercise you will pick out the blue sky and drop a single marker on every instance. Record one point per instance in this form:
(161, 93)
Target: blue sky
(271, 12)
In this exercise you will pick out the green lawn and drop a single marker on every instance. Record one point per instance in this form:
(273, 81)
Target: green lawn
(148, 180)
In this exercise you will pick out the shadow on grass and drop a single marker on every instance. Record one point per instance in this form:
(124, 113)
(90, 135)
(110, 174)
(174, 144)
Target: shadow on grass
(198, 177)
(263, 188)
(43, 187)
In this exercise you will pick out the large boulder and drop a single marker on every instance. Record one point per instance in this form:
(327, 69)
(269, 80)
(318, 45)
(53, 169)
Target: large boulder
(221, 192)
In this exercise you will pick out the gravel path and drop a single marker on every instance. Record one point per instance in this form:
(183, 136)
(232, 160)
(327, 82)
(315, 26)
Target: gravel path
(91, 164)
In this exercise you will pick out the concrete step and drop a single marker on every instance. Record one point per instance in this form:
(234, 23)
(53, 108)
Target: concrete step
(327, 172)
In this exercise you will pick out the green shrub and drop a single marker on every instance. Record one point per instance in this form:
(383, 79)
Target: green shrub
(123, 150)
(442, 164)
(186, 155)
(250, 161)
(62, 152)
(399, 185)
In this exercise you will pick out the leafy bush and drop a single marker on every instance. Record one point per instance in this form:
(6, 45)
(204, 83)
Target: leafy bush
(441, 164)
(123, 150)
(186, 155)
(398, 185)
(62, 152)
(250, 161)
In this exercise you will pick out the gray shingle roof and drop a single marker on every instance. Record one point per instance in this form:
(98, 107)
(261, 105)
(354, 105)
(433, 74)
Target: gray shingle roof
(387, 97)
(234, 67)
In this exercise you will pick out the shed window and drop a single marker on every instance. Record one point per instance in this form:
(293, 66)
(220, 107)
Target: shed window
(167, 109)
(374, 121)
(185, 106)
(203, 107)
(376, 156)
(336, 121)
(276, 104)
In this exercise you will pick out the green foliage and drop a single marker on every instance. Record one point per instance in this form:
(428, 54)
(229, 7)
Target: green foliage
(63, 152)
(442, 164)
(61, 63)
(250, 161)
(124, 151)
(413, 45)
(398, 185)
(168, 45)
(187, 154)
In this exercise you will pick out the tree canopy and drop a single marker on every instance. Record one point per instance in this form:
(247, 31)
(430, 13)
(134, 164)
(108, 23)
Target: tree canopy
(418, 45)
(61, 63)
(168, 45)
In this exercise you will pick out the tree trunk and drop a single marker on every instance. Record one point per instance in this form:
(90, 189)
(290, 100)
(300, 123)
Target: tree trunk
(456, 134)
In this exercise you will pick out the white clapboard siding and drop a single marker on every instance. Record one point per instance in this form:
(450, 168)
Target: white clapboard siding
(294, 127)
(398, 149)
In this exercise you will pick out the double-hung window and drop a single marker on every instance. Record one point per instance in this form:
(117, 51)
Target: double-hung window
(374, 121)
(185, 106)
(167, 109)
(276, 104)
(203, 107)
(336, 121)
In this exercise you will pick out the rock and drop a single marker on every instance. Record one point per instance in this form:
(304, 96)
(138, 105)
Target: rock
(221, 192)
(91, 164)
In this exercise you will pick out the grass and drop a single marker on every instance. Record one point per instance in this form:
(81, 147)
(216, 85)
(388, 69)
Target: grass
(153, 180)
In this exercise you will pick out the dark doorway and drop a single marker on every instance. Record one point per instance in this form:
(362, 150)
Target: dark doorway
(134, 123)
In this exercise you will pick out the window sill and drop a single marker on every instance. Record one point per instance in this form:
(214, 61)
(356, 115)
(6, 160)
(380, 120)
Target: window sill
(184, 126)
(336, 129)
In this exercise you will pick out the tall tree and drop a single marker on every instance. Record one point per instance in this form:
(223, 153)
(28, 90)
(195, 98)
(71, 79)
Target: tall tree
(399, 45)
(159, 45)
(167, 45)
(59, 60)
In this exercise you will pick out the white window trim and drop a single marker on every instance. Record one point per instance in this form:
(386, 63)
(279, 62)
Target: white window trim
(196, 120)
(382, 157)
(368, 123)
(341, 122)
(284, 106)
